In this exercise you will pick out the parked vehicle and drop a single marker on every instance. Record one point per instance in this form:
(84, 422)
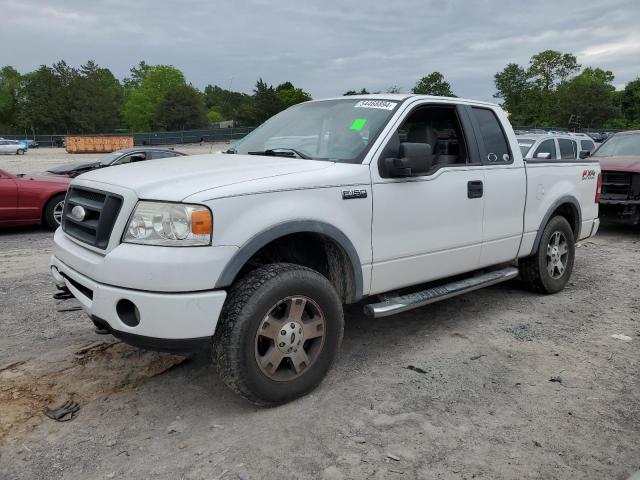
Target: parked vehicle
(120, 157)
(401, 200)
(30, 143)
(28, 200)
(619, 159)
(12, 147)
(556, 146)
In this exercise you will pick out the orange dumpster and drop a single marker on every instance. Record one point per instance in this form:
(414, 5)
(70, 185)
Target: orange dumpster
(97, 143)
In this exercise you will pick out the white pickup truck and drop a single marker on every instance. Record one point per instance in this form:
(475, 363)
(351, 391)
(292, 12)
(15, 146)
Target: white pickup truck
(394, 201)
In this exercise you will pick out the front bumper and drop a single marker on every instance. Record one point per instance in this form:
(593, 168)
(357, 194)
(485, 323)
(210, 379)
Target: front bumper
(161, 316)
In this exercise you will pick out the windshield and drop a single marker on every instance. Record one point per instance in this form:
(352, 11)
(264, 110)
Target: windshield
(620, 145)
(525, 145)
(109, 158)
(337, 130)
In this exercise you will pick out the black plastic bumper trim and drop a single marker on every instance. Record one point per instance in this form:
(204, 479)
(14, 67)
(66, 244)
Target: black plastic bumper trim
(169, 345)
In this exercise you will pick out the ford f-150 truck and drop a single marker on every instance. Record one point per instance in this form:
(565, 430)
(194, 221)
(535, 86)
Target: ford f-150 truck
(394, 201)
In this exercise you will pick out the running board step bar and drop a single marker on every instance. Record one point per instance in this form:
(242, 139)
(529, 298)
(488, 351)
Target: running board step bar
(402, 303)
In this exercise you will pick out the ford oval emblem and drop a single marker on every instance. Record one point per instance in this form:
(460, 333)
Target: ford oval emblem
(78, 213)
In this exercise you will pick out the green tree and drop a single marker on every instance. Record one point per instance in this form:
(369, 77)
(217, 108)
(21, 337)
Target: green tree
(143, 102)
(10, 91)
(137, 75)
(550, 68)
(354, 92)
(96, 99)
(231, 105)
(630, 103)
(512, 84)
(43, 102)
(182, 108)
(587, 100)
(290, 95)
(433, 84)
(266, 102)
(214, 116)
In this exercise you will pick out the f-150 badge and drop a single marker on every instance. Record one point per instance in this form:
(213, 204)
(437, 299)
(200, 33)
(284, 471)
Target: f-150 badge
(357, 193)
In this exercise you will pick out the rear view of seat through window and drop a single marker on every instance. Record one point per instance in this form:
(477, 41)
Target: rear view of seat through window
(439, 128)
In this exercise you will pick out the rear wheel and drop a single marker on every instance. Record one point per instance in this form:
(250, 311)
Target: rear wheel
(549, 269)
(278, 334)
(20, 152)
(52, 215)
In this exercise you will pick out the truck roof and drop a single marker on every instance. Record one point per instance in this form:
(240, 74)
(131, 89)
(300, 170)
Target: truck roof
(404, 96)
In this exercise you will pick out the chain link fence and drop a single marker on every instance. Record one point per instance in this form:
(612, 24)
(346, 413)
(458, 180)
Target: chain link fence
(151, 138)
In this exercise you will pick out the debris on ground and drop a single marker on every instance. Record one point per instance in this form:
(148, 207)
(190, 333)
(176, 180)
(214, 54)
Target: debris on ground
(476, 357)
(416, 369)
(619, 336)
(393, 457)
(557, 379)
(63, 413)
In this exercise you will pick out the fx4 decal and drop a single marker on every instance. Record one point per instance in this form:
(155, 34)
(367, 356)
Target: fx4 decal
(356, 193)
(588, 174)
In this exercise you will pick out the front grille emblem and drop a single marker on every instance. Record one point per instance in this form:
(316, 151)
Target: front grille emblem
(78, 213)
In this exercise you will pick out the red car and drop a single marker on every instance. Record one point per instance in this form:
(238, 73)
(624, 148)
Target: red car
(31, 200)
(619, 158)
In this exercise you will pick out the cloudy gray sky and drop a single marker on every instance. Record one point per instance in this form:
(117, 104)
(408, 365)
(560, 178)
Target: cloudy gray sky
(326, 46)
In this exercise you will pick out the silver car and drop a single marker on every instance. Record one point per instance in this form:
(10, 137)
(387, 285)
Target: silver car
(11, 147)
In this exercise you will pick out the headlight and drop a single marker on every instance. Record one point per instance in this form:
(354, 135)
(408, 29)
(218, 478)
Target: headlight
(169, 224)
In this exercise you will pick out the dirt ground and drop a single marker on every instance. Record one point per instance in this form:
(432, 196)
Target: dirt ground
(458, 390)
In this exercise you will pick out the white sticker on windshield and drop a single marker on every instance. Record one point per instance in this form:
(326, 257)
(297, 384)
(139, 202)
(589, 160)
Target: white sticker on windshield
(382, 104)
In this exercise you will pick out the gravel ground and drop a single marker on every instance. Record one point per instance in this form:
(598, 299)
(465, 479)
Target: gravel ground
(461, 389)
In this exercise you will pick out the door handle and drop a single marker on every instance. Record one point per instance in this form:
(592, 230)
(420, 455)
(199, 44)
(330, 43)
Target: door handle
(475, 189)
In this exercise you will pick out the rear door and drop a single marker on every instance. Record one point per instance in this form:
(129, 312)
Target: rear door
(504, 187)
(8, 198)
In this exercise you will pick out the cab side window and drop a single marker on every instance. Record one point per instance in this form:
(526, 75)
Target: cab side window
(567, 149)
(491, 133)
(548, 146)
(439, 128)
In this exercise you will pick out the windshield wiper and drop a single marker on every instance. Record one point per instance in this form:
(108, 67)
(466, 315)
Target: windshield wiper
(230, 150)
(275, 152)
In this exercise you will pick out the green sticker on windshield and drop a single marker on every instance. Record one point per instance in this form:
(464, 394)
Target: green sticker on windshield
(358, 124)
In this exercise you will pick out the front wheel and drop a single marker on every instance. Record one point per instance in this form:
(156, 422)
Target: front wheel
(278, 334)
(549, 269)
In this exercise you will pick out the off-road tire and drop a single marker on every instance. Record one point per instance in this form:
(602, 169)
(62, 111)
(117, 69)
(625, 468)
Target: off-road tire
(20, 151)
(247, 303)
(47, 214)
(533, 269)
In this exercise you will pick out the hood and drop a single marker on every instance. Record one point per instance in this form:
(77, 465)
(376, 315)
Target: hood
(619, 164)
(44, 178)
(74, 167)
(174, 179)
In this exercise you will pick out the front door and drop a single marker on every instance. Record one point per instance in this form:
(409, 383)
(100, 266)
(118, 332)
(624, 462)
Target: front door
(429, 225)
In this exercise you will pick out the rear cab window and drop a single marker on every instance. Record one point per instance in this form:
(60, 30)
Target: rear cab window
(492, 137)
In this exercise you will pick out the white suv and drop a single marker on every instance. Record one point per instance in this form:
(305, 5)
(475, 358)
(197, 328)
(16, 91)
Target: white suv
(566, 146)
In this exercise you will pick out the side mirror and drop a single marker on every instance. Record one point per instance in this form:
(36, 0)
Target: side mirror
(415, 159)
(584, 154)
(543, 155)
